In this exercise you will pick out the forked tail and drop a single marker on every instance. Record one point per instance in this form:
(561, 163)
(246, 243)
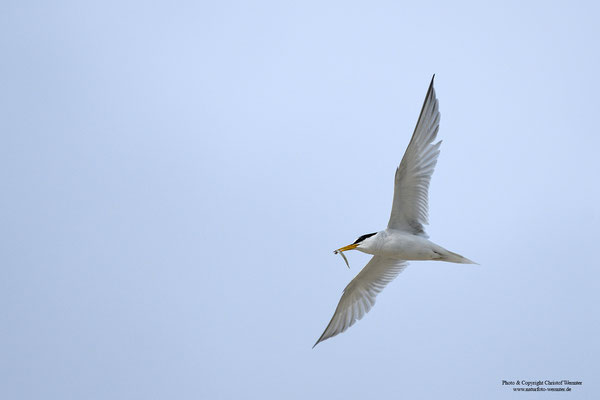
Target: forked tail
(456, 258)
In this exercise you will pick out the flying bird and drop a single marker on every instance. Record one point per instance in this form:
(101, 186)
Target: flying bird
(404, 238)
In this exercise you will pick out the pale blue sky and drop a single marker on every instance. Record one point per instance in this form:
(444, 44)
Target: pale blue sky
(176, 175)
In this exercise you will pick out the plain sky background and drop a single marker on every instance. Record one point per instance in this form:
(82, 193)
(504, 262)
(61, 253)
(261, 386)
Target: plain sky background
(175, 176)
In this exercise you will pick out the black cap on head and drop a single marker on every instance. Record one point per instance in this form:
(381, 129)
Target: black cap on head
(363, 237)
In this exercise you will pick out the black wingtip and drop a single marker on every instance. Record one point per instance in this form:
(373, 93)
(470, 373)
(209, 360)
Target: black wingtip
(321, 338)
(432, 78)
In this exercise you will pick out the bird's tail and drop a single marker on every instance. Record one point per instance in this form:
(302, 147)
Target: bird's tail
(456, 258)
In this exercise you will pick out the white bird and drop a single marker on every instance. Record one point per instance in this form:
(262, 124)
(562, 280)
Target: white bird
(404, 238)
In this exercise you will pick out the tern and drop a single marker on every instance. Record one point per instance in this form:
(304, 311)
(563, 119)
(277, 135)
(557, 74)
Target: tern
(404, 238)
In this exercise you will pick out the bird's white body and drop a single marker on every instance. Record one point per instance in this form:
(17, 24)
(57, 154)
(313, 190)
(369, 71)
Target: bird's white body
(393, 243)
(404, 238)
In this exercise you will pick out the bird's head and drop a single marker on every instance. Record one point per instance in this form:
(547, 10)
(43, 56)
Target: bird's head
(358, 242)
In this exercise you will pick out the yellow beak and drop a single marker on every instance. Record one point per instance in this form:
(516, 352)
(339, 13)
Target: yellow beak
(346, 248)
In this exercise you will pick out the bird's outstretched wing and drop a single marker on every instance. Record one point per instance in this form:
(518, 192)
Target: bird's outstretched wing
(410, 207)
(359, 295)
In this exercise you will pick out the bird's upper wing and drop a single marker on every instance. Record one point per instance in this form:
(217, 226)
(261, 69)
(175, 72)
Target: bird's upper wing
(359, 295)
(411, 186)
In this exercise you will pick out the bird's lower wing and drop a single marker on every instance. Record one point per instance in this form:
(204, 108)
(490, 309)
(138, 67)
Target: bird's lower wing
(359, 295)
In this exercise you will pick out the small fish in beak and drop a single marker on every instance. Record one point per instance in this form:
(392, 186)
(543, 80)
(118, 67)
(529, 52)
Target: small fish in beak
(340, 251)
(343, 256)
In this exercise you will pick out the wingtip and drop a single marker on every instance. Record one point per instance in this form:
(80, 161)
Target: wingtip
(322, 338)
(431, 85)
